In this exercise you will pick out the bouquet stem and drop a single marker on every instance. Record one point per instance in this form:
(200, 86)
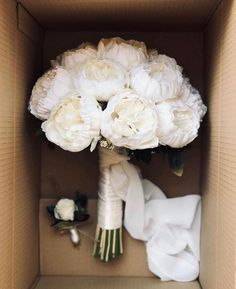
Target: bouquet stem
(108, 244)
(108, 239)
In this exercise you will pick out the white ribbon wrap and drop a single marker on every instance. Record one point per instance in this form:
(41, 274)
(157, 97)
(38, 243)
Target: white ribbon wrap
(170, 227)
(109, 202)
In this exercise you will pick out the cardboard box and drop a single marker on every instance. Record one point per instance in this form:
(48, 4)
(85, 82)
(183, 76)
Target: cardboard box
(201, 36)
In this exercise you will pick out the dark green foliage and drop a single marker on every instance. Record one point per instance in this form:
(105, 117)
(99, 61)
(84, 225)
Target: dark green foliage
(41, 135)
(176, 163)
(174, 156)
(81, 214)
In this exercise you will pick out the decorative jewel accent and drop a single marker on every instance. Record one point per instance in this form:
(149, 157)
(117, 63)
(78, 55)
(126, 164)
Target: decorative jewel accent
(106, 144)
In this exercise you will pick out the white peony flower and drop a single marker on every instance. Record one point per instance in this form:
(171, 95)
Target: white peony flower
(130, 121)
(72, 57)
(100, 78)
(65, 209)
(49, 89)
(74, 124)
(129, 53)
(167, 61)
(178, 124)
(158, 80)
(191, 97)
(152, 54)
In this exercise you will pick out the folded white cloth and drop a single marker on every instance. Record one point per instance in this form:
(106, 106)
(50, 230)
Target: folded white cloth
(170, 227)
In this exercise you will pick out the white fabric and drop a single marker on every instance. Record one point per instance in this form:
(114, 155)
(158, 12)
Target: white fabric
(109, 203)
(170, 227)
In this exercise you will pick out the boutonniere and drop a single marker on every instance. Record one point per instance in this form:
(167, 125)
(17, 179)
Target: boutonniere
(68, 215)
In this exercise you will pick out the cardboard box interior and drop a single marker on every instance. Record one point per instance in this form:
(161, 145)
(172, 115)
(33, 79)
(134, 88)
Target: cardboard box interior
(200, 35)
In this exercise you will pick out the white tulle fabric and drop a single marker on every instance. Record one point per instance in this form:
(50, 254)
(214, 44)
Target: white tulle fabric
(170, 227)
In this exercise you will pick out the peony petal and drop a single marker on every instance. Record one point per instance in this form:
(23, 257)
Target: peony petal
(130, 121)
(177, 124)
(100, 79)
(48, 91)
(74, 124)
(70, 58)
(158, 80)
(128, 53)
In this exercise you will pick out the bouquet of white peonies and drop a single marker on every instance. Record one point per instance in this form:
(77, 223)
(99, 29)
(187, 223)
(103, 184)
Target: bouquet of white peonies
(123, 96)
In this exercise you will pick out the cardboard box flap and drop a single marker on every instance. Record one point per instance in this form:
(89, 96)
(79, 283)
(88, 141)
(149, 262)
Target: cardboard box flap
(121, 14)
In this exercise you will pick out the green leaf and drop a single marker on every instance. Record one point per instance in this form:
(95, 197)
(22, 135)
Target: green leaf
(50, 210)
(81, 200)
(64, 225)
(81, 216)
(143, 155)
(176, 163)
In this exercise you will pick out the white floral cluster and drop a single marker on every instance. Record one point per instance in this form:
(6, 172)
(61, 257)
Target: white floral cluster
(147, 100)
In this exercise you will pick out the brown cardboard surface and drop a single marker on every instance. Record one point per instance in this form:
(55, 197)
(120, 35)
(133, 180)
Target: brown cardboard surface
(210, 151)
(7, 71)
(110, 283)
(64, 172)
(19, 154)
(59, 257)
(28, 26)
(218, 250)
(227, 152)
(120, 14)
(26, 168)
(19, 174)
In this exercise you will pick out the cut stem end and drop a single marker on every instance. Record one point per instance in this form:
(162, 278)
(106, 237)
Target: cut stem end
(108, 244)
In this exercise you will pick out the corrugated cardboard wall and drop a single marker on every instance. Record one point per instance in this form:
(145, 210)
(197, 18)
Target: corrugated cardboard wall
(7, 72)
(27, 167)
(19, 157)
(136, 15)
(64, 172)
(218, 261)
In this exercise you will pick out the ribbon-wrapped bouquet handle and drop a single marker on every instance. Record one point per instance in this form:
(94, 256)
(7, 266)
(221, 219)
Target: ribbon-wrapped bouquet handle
(108, 239)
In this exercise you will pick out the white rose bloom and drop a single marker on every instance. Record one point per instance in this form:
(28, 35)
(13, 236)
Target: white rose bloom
(129, 53)
(178, 124)
(100, 78)
(65, 209)
(158, 80)
(74, 124)
(130, 121)
(49, 89)
(191, 97)
(72, 57)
